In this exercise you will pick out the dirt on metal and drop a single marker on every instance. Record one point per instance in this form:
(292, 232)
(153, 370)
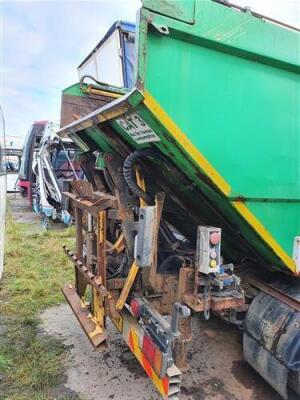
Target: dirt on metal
(217, 368)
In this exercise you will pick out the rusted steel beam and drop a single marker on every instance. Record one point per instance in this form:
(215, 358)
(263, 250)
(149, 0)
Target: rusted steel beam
(217, 303)
(101, 253)
(98, 300)
(185, 282)
(125, 200)
(197, 303)
(94, 332)
(89, 277)
(95, 282)
(274, 292)
(99, 201)
(169, 294)
(79, 237)
(79, 283)
(180, 345)
(114, 214)
(115, 283)
(90, 238)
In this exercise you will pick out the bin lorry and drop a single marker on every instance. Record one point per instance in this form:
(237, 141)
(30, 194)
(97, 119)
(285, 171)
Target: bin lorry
(192, 199)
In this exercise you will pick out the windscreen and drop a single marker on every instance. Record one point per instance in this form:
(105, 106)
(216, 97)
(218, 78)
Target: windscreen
(62, 163)
(105, 64)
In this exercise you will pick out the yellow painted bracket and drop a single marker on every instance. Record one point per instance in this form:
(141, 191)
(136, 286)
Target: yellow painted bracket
(141, 183)
(119, 245)
(127, 286)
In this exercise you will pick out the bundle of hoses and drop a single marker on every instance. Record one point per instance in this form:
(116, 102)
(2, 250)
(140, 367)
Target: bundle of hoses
(129, 174)
(130, 177)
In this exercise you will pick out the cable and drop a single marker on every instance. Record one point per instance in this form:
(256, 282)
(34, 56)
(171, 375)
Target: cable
(93, 79)
(129, 174)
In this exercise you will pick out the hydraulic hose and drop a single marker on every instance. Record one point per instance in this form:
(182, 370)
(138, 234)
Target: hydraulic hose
(129, 174)
(92, 78)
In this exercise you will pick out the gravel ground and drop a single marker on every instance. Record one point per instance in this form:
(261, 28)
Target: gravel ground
(217, 369)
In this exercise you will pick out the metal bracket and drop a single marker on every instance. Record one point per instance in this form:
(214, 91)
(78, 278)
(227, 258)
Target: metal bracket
(296, 253)
(179, 310)
(163, 29)
(161, 331)
(144, 241)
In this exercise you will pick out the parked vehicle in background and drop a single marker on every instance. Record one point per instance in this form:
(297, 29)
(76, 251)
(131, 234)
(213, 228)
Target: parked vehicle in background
(13, 163)
(54, 167)
(31, 145)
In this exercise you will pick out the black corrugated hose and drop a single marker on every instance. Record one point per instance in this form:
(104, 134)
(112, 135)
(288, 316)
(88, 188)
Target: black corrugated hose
(129, 174)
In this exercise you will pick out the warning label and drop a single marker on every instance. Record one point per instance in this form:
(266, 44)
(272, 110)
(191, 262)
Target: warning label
(137, 129)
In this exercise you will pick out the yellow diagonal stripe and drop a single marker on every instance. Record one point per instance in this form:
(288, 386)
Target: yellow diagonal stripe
(185, 143)
(217, 179)
(262, 231)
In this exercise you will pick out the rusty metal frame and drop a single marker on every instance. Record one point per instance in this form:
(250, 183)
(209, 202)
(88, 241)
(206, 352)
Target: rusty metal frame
(275, 292)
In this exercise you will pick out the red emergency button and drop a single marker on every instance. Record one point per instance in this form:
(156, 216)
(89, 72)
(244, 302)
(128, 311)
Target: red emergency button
(214, 238)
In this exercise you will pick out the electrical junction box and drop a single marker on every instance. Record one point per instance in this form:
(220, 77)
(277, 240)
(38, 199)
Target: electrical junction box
(208, 250)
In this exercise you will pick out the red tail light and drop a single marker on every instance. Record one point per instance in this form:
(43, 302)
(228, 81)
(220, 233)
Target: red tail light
(148, 349)
(135, 307)
(157, 361)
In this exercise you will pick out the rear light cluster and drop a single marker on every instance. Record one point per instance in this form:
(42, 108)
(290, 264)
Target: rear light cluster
(156, 358)
(136, 308)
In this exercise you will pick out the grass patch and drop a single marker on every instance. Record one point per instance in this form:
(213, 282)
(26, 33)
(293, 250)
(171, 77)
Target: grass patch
(35, 267)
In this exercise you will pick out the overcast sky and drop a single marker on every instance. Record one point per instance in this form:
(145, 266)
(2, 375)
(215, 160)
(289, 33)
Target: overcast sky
(42, 43)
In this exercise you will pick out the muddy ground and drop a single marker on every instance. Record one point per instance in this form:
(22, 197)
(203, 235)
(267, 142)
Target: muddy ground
(217, 368)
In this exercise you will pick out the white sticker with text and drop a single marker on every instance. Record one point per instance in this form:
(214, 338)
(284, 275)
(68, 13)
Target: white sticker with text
(137, 129)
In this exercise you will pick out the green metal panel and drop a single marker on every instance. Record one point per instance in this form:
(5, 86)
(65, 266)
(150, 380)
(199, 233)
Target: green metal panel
(282, 219)
(183, 10)
(230, 83)
(228, 30)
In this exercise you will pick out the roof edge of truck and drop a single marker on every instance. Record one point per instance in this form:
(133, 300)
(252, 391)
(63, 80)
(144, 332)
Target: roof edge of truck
(125, 26)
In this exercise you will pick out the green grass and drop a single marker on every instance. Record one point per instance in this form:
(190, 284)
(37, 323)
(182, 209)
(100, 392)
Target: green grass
(31, 364)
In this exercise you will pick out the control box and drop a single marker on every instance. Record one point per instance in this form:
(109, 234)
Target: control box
(208, 252)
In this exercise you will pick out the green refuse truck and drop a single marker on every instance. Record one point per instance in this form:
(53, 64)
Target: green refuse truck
(190, 144)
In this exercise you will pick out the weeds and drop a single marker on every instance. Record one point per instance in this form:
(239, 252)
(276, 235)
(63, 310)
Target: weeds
(35, 266)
